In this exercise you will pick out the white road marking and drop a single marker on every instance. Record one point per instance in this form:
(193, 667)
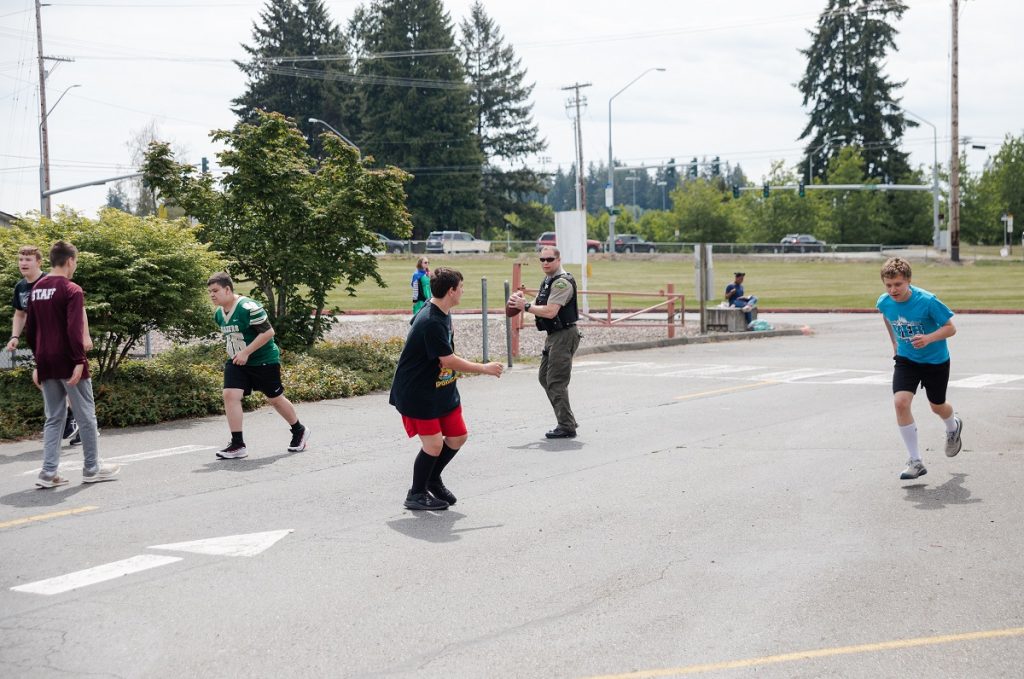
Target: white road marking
(796, 374)
(249, 544)
(134, 457)
(878, 378)
(709, 370)
(92, 576)
(984, 380)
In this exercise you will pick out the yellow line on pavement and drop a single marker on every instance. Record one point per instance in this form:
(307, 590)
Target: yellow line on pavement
(44, 517)
(725, 390)
(817, 653)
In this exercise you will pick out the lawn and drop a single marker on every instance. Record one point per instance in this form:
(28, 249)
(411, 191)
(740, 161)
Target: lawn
(778, 283)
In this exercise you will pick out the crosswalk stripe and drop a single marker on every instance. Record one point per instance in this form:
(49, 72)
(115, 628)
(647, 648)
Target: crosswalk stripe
(984, 380)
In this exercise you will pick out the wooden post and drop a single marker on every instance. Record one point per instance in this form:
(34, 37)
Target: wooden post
(671, 311)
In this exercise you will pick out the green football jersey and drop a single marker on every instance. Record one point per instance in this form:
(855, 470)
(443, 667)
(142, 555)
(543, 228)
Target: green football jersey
(239, 332)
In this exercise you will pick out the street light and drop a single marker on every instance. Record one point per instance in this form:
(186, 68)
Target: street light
(340, 135)
(663, 185)
(810, 156)
(935, 176)
(44, 156)
(610, 191)
(634, 179)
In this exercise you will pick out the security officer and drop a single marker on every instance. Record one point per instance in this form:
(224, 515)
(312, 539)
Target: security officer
(556, 313)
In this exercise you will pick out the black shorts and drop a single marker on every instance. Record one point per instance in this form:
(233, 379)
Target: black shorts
(265, 378)
(934, 377)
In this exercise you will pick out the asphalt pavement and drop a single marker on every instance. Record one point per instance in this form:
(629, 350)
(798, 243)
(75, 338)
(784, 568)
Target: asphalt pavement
(727, 510)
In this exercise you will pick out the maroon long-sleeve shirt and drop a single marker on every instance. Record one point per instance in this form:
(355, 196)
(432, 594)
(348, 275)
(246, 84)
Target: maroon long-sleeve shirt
(56, 316)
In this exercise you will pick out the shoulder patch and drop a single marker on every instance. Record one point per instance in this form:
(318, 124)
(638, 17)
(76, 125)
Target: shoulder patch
(560, 283)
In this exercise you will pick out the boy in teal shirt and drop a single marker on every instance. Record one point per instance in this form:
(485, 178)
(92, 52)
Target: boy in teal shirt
(254, 362)
(918, 324)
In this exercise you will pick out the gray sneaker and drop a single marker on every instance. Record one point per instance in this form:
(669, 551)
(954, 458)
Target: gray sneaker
(104, 472)
(953, 442)
(914, 469)
(51, 480)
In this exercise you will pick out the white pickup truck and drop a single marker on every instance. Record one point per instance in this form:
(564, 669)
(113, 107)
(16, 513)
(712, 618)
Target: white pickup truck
(450, 242)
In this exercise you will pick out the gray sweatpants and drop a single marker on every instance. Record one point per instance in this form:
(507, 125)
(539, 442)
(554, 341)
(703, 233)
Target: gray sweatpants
(80, 395)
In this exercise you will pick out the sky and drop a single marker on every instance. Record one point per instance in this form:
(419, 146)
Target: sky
(729, 88)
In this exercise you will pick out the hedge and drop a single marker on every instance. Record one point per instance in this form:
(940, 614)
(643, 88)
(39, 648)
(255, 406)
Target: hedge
(186, 382)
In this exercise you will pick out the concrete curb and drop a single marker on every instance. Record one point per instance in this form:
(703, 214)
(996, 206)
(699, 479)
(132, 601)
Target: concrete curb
(699, 339)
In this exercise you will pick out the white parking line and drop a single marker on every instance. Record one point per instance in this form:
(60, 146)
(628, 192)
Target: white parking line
(133, 457)
(984, 380)
(92, 576)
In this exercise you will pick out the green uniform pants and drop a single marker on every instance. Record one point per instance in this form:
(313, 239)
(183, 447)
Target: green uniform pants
(556, 370)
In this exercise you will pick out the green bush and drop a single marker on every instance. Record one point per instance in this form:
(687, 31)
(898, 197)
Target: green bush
(186, 382)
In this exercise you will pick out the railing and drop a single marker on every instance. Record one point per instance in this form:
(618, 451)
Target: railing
(668, 296)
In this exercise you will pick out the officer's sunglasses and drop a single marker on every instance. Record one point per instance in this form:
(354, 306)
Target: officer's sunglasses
(547, 259)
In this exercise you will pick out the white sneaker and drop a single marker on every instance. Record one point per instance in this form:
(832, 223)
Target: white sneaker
(953, 442)
(914, 469)
(53, 480)
(104, 472)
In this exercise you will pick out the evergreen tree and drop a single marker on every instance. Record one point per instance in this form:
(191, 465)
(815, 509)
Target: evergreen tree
(505, 129)
(417, 110)
(847, 92)
(299, 68)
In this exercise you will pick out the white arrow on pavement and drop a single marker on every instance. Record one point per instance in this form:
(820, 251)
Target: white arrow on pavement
(92, 576)
(249, 544)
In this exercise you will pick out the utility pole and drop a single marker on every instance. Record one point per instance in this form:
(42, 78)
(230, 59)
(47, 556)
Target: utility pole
(954, 163)
(44, 142)
(577, 101)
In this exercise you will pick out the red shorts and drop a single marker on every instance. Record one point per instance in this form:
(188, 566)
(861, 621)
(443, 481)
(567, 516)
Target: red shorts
(449, 424)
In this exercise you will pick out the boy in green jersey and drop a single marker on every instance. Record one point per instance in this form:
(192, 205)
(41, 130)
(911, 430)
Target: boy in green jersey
(254, 362)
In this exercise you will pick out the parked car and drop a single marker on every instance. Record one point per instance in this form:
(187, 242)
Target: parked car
(548, 238)
(801, 242)
(451, 242)
(391, 245)
(630, 242)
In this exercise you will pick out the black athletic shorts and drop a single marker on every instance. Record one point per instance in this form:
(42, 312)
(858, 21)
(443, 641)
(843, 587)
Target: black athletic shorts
(934, 377)
(265, 378)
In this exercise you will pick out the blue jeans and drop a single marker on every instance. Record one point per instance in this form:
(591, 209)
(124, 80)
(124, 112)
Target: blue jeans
(54, 394)
(750, 301)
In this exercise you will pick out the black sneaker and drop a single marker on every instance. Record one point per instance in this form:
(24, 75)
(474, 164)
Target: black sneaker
(424, 501)
(438, 490)
(76, 440)
(233, 451)
(299, 439)
(70, 428)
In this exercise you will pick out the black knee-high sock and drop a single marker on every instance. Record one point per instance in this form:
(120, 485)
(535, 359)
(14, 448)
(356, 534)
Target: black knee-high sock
(447, 453)
(421, 471)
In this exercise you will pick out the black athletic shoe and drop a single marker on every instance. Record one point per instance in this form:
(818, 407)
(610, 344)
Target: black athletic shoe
(424, 501)
(76, 440)
(559, 433)
(299, 439)
(438, 490)
(232, 451)
(70, 428)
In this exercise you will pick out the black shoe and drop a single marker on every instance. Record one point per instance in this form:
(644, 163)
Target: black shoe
(76, 440)
(559, 433)
(70, 428)
(299, 439)
(424, 501)
(438, 490)
(233, 451)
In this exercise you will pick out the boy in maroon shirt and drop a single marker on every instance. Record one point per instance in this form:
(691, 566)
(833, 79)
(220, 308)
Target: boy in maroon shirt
(53, 328)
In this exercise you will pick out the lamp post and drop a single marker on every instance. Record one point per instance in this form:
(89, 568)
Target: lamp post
(633, 179)
(935, 175)
(340, 135)
(810, 156)
(610, 190)
(44, 156)
(662, 185)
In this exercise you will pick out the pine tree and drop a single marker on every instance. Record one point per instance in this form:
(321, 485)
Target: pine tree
(298, 67)
(417, 111)
(851, 100)
(505, 129)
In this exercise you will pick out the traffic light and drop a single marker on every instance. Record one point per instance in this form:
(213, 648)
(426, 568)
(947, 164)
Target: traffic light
(765, 190)
(693, 168)
(205, 165)
(715, 166)
(801, 189)
(735, 191)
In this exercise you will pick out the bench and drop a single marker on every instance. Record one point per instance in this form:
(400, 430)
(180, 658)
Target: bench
(728, 319)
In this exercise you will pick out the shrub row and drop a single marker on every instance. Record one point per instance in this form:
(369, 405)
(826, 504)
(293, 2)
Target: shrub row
(186, 382)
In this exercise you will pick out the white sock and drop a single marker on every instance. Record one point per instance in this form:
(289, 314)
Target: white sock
(950, 424)
(909, 434)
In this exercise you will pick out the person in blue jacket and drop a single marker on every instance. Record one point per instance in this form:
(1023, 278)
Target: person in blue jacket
(420, 284)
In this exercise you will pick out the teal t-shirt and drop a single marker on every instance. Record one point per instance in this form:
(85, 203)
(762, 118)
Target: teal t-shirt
(921, 314)
(239, 332)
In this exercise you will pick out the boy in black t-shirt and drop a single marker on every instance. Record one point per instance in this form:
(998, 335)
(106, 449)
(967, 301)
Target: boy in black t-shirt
(425, 394)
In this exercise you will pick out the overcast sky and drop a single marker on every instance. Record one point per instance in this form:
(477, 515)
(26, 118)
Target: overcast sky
(728, 89)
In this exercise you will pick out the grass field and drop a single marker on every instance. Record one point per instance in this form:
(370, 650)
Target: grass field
(778, 283)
